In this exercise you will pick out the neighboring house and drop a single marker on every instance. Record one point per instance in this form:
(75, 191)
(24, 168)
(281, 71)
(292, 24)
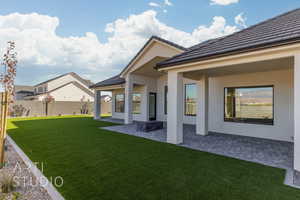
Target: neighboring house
(67, 87)
(247, 83)
(22, 91)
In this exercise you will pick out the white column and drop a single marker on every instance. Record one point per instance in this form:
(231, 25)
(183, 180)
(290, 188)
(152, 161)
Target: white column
(297, 112)
(202, 106)
(97, 105)
(175, 108)
(128, 100)
(145, 104)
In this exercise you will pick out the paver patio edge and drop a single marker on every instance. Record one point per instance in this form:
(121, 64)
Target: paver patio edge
(52, 191)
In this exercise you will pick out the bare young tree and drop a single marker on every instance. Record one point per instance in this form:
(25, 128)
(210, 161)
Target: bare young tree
(48, 99)
(7, 79)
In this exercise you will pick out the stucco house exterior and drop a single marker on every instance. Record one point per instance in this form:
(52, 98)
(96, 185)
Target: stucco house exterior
(246, 83)
(67, 87)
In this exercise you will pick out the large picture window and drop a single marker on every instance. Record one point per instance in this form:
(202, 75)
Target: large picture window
(249, 104)
(120, 100)
(190, 100)
(136, 103)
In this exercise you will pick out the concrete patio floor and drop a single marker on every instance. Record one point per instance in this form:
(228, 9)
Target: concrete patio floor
(264, 151)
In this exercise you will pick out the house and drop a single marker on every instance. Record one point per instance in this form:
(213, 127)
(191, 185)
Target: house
(22, 91)
(246, 83)
(67, 87)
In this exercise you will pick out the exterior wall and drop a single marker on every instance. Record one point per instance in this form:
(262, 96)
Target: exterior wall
(283, 104)
(71, 93)
(68, 93)
(136, 117)
(154, 85)
(115, 114)
(161, 83)
(143, 85)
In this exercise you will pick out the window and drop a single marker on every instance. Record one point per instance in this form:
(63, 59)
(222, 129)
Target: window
(249, 105)
(166, 100)
(40, 89)
(190, 100)
(120, 99)
(136, 103)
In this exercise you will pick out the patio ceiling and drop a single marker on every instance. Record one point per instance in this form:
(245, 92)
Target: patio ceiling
(268, 65)
(148, 68)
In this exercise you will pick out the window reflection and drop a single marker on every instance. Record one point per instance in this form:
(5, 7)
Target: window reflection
(249, 104)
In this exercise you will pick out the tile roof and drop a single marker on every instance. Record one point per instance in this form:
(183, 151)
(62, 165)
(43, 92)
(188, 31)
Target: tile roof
(116, 80)
(280, 30)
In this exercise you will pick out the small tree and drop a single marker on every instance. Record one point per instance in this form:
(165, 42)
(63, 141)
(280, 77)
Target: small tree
(7, 79)
(48, 99)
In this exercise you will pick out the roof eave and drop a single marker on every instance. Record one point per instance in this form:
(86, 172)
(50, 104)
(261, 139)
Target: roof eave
(231, 53)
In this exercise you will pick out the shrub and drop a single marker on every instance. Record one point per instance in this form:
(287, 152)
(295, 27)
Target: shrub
(7, 182)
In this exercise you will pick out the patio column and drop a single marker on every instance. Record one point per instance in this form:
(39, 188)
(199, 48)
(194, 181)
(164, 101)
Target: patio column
(128, 100)
(175, 108)
(297, 112)
(202, 106)
(97, 104)
(145, 103)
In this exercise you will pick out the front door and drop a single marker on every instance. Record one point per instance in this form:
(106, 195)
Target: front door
(152, 106)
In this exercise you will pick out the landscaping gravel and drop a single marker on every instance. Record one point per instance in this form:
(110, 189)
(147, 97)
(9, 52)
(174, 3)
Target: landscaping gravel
(28, 187)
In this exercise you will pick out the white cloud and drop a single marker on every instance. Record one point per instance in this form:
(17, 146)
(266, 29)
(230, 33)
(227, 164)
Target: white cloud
(223, 2)
(168, 3)
(154, 4)
(38, 44)
(165, 11)
(240, 20)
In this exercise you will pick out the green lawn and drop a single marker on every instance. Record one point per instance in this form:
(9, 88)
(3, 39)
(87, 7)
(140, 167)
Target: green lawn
(99, 164)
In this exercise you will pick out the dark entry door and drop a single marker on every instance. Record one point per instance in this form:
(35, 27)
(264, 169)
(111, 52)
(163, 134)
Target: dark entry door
(152, 106)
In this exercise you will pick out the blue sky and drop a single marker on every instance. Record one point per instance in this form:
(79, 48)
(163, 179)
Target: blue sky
(55, 39)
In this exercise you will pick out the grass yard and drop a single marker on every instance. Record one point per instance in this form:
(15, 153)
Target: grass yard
(99, 164)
